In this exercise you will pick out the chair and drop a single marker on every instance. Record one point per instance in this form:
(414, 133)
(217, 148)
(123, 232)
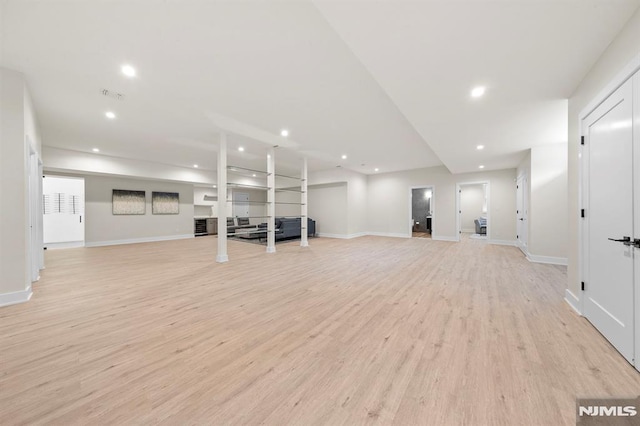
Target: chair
(481, 225)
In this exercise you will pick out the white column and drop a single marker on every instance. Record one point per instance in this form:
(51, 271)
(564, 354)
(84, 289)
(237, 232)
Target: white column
(304, 220)
(222, 200)
(271, 201)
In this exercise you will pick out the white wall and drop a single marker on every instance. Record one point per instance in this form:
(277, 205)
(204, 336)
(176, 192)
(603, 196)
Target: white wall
(471, 202)
(389, 203)
(19, 135)
(548, 233)
(103, 227)
(618, 54)
(328, 206)
(354, 222)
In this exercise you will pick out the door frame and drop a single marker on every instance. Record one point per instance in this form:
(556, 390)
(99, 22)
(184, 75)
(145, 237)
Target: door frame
(83, 216)
(625, 74)
(577, 301)
(525, 201)
(459, 186)
(433, 207)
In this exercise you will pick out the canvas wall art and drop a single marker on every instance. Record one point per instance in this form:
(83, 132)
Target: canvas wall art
(165, 203)
(126, 202)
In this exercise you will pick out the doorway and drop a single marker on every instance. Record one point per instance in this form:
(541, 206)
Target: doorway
(610, 250)
(473, 210)
(422, 211)
(63, 211)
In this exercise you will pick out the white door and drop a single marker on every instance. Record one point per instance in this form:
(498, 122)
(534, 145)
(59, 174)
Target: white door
(608, 193)
(521, 211)
(63, 220)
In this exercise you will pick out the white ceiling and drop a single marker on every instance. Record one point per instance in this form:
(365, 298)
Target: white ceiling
(385, 82)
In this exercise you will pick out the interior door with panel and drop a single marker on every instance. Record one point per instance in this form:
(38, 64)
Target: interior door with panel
(608, 197)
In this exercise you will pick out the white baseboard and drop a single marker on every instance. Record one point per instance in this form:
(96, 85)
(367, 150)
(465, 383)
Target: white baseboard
(343, 236)
(522, 248)
(572, 300)
(388, 234)
(444, 238)
(502, 242)
(469, 231)
(138, 240)
(68, 244)
(16, 297)
(547, 259)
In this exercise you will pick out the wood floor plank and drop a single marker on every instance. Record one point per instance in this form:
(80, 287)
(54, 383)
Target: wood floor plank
(365, 331)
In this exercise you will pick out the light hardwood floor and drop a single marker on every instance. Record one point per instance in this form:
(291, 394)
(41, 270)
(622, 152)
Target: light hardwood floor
(369, 330)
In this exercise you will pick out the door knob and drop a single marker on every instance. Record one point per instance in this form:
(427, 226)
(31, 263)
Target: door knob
(623, 240)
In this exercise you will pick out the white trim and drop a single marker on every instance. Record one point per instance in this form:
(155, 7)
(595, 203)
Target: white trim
(343, 236)
(444, 238)
(16, 297)
(64, 245)
(469, 231)
(523, 248)
(388, 234)
(572, 300)
(138, 240)
(627, 72)
(502, 242)
(534, 258)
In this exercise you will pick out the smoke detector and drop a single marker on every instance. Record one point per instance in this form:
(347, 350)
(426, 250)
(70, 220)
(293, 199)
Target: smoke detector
(113, 95)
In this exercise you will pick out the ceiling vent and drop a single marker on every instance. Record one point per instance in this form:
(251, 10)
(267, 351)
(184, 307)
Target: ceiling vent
(113, 95)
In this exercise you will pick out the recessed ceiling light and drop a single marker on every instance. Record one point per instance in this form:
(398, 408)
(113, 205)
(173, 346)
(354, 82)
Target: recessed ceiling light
(376, 169)
(478, 91)
(481, 166)
(344, 156)
(254, 175)
(110, 115)
(215, 186)
(284, 132)
(241, 149)
(128, 70)
(480, 147)
(96, 150)
(195, 165)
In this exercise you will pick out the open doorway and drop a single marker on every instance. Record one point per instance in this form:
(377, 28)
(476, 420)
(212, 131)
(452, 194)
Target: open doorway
(422, 212)
(473, 210)
(63, 211)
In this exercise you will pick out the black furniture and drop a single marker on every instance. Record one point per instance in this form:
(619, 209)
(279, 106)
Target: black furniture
(481, 226)
(289, 227)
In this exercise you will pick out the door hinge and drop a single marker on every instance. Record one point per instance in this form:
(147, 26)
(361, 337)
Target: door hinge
(582, 213)
(582, 285)
(581, 140)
